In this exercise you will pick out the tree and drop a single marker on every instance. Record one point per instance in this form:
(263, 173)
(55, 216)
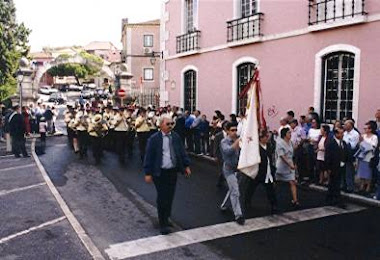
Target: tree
(91, 67)
(13, 45)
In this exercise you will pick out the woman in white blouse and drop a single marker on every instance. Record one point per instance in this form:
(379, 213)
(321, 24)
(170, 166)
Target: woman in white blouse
(368, 144)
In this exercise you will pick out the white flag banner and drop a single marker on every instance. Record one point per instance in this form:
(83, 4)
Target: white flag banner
(249, 159)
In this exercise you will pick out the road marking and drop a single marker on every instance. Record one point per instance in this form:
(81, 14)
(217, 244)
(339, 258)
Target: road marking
(54, 221)
(60, 145)
(154, 244)
(17, 167)
(6, 156)
(86, 240)
(6, 192)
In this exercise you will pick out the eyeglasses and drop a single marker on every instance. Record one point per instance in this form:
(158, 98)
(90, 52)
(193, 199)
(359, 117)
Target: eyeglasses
(170, 124)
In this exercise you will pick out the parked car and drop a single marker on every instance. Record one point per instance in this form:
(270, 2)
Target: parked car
(53, 90)
(101, 93)
(45, 90)
(63, 88)
(87, 94)
(91, 85)
(57, 98)
(75, 88)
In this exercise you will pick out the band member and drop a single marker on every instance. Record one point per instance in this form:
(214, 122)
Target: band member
(120, 133)
(67, 118)
(143, 130)
(131, 132)
(97, 129)
(81, 124)
(71, 127)
(152, 122)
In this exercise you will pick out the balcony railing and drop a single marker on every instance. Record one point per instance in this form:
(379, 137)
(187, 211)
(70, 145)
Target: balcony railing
(323, 11)
(188, 42)
(244, 28)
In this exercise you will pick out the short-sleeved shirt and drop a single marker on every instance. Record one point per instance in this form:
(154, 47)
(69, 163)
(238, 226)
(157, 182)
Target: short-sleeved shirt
(283, 149)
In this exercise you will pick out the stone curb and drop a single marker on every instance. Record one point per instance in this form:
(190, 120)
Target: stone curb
(352, 196)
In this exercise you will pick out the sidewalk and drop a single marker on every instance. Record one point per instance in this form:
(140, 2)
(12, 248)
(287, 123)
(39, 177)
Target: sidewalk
(352, 196)
(32, 222)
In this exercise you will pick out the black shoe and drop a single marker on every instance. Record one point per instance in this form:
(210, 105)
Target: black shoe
(240, 220)
(295, 204)
(26, 155)
(274, 210)
(165, 230)
(17, 156)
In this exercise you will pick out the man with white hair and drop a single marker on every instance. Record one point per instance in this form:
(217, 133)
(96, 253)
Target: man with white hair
(165, 156)
(351, 137)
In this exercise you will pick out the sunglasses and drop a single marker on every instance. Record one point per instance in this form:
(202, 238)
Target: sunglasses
(170, 124)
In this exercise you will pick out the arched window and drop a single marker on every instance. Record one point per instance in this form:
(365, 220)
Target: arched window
(245, 72)
(190, 95)
(337, 86)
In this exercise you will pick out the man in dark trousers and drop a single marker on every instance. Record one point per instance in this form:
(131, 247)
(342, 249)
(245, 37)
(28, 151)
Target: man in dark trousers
(17, 132)
(165, 156)
(336, 157)
(218, 139)
(179, 127)
(265, 176)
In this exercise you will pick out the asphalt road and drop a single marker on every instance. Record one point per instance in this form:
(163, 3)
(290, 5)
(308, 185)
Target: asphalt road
(114, 205)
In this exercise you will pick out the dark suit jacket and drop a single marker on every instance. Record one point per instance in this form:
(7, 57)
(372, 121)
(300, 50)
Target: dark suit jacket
(179, 127)
(17, 126)
(333, 155)
(263, 166)
(153, 154)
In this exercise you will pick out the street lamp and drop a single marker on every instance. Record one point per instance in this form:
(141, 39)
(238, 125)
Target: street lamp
(154, 55)
(20, 78)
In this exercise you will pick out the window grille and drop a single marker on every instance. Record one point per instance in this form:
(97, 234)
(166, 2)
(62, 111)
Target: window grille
(337, 86)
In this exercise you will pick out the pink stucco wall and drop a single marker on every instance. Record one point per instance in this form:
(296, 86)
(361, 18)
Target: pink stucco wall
(287, 65)
(137, 48)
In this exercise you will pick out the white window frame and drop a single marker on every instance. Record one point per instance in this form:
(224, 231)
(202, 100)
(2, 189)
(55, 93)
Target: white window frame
(234, 85)
(318, 76)
(184, 22)
(144, 78)
(182, 92)
(145, 37)
(237, 8)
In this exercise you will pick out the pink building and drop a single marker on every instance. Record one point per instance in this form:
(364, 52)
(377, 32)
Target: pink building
(320, 53)
(141, 52)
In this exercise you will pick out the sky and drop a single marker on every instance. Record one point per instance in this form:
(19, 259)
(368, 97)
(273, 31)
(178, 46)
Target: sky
(57, 23)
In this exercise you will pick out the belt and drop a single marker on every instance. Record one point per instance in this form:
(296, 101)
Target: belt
(169, 170)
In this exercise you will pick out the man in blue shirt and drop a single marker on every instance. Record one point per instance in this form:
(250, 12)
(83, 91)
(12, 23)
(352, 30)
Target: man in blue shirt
(189, 119)
(165, 156)
(230, 151)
